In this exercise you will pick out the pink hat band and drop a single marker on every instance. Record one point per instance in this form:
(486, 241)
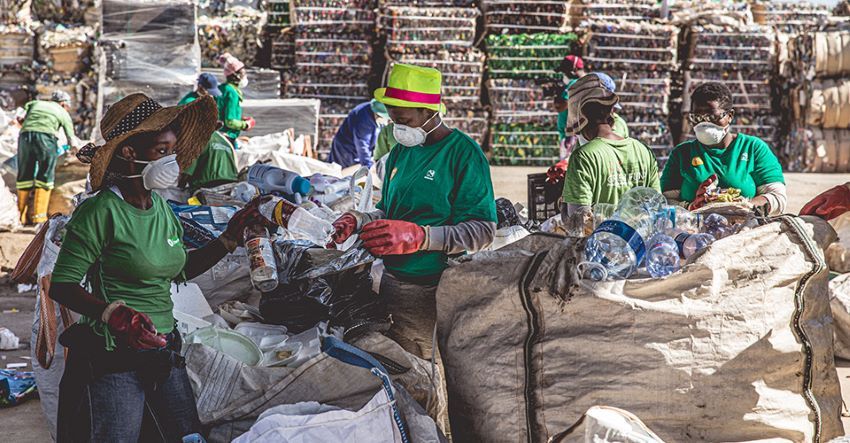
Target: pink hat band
(413, 96)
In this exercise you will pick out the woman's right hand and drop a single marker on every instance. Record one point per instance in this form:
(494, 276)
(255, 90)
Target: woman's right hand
(344, 228)
(700, 200)
(133, 327)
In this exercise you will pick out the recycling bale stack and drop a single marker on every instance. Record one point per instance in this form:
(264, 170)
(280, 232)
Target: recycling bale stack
(522, 85)
(441, 35)
(518, 16)
(819, 139)
(263, 83)
(332, 59)
(744, 59)
(150, 47)
(279, 35)
(237, 31)
(790, 17)
(641, 58)
(17, 49)
(65, 62)
(616, 10)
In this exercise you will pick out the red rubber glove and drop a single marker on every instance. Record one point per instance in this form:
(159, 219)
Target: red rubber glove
(557, 172)
(344, 228)
(251, 123)
(135, 328)
(700, 200)
(392, 237)
(829, 204)
(249, 215)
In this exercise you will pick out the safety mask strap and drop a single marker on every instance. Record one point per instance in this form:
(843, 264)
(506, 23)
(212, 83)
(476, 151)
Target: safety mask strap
(138, 162)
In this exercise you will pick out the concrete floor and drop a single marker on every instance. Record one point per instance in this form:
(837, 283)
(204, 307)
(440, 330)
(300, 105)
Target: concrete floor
(26, 424)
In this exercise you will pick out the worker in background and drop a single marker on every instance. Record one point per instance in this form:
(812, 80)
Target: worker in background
(385, 142)
(215, 166)
(436, 202)
(230, 102)
(207, 85)
(608, 165)
(718, 155)
(571, 69)
(830, 203)
(38, 151)
(356, 138)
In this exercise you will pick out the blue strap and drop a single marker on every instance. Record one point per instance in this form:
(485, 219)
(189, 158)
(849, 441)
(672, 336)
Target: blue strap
(354, 356)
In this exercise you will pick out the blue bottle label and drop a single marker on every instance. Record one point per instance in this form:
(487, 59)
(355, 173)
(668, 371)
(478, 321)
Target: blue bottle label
(680, 242)
(627, 233)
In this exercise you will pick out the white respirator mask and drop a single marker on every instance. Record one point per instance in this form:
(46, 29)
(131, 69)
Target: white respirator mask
(710, 134)
(162, 173)
(407, 136)
(243, 82)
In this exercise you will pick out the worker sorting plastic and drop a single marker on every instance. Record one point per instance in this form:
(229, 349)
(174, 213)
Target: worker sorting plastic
(608, 165)
(571, 69)
(230, 102)
(355, 140)
(436, 202)
(207, 85)
(126, 244)
(721, 157)
(38, 150)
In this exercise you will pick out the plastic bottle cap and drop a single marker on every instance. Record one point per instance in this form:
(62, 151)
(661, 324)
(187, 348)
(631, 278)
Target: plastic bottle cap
(301, 185)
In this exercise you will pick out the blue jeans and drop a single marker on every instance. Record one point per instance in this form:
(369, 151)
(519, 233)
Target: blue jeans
(118, 403)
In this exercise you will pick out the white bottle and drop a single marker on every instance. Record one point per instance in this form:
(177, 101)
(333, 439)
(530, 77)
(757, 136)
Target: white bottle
(270, 178)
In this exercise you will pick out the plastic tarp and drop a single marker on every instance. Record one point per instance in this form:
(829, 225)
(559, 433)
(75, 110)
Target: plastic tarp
(269, 151)
(839, 302)
(275, 115)
(697, 355)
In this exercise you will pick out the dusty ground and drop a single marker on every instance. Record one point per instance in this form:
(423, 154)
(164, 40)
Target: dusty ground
(25, 423)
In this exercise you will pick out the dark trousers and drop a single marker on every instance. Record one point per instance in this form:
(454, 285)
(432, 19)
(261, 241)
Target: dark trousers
(37, 154)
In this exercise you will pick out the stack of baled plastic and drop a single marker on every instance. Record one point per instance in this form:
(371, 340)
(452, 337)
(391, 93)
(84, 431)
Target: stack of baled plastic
(743, 57)
(616, 10)
(641, 58)
(17, 47)
(440, 35)
(790, 17)
(820, 138)
(149, 46)
(279, 34)
(332, 59)
(511, 16)
(65, 63)
(237, 31)
(522, 85)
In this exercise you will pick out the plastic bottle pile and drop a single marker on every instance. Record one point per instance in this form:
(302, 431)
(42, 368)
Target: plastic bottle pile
(641, 58)
(643, 231)
(332, 58)
(791, 17)
(522, 85)
(617, 10)
(279, 35)
(507, 16)
(236, 31)
(744, 58)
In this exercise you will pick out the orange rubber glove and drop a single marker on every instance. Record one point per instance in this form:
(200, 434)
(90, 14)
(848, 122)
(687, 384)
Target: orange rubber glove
(251, 123)
(392, 237)
(829, 204)
(344, 228)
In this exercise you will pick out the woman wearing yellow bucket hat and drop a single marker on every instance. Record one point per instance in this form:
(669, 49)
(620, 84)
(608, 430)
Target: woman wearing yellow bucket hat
(437, 202)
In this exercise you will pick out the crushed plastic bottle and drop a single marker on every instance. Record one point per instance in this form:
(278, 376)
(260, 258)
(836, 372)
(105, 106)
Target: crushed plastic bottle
(298, 220)
(618, 244)
(717, 225)
(689, 244)
(261, 257)
(662, 256)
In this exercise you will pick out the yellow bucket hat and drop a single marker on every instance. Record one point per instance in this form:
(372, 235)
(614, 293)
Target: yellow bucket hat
(412, 86)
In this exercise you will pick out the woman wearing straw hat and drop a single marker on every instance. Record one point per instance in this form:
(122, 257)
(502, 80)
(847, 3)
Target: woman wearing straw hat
(608, 165)
(126, 244)
(437, 201)
(230, 102)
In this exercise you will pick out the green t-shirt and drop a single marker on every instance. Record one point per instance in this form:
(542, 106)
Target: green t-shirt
(127, 253)
(746, 164)
(620, 127)
(602, 170)
(47, 117)
(230, 110)
(562, 116)
(438, 185)
(188, 98)
(385, 142)
(215, 165)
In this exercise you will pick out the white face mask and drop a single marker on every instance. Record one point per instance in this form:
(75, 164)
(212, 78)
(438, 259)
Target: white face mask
(581, 140)
(407, 136)
(158, 174)
(566, 79)
(243, 82)
(710, 134)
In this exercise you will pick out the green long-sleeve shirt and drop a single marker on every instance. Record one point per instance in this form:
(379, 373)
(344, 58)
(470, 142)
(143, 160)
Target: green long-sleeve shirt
(385, 142)
(230, 110)
(47, 117)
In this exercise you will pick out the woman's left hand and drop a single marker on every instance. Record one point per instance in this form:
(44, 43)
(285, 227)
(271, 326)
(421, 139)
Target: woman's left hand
(392, 237)
(247, 216)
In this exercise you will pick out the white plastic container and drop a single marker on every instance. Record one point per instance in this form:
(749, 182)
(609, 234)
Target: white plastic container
(230, 343)
(257, 331)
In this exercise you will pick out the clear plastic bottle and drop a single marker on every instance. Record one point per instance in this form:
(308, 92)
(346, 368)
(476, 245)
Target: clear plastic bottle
(675, 218)
(662, 256)
(261, 257)
(717, 225)
(689, 244)
(618, 243)
(602, 212)
(270, 178)
(297, 220)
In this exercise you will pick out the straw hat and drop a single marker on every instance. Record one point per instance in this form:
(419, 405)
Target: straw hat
(137, 114)
(588, 89)
(412, 86)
